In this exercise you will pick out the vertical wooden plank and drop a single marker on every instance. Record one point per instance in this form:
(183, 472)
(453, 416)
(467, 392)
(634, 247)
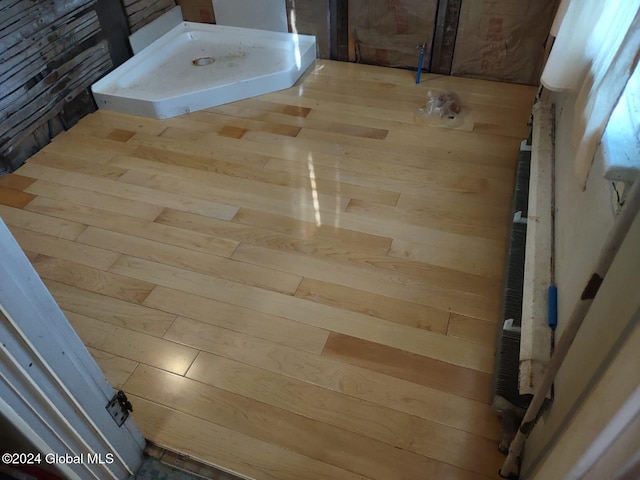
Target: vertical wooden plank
(444, 39)
(142, 12)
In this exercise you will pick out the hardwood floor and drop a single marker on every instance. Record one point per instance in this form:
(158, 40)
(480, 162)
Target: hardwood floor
(303, 285)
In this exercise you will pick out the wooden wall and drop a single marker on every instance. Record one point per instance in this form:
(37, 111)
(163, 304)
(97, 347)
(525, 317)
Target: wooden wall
(50, 53)
(141, 12)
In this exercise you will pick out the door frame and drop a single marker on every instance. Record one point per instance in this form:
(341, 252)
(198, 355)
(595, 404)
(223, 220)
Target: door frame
(51, 389)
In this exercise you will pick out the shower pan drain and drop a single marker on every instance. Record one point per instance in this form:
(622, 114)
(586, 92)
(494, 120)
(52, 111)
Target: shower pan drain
(202, 61)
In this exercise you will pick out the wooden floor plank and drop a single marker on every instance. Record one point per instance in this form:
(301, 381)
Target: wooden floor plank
(306, 180)
(15, 182)
(14, 198)
(36, 222)
(297, 228)
(255, 110)
(277, 231)
(320, 441)
(408, 366)
(130, 192)
(435, 287)
(248, 274)
(450, 244)
(442, 174)
(110, 310)
(431, 404)
(133, 226)
(193, 260)
(482, 257)
(218, 122)
(31, 256)
(423, 342)
(243, 168)
(474, 117)
(399, 429)
(102, 123)
(63, 249)
(82, 146)
(74, 164)
(481, 107)
(491, 208)
(334, 144)
(448, 220)
(380, 306)
(323, 264)
(98, 281)
(132, 345)
(473, 329)
(116, 369)
(88, 198)
(277, 201)
(239, 319)
(230, 450)
(369, 174)
(219, 149)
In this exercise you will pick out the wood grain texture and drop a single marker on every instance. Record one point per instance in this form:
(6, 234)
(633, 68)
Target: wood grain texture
(133, 226)
(424, 342)
(414, 368)
(379, 306)
(303, 285)
(35, 222)
(228, 448)
(85, 145)
(117, 369)
(13, 198)
(257, 228)
(68, 175)
(298, 179)
(473, 329)
(428, 403)
(320, 441)
(88, 198)
(233, 317)
(64, 249)
(94, 280)
(411, 282)
(132, 345)
(110, 310)
(15, 182)
(428, 438)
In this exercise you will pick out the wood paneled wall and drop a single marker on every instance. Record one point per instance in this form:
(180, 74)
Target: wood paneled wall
(141, 12)
(50, 52)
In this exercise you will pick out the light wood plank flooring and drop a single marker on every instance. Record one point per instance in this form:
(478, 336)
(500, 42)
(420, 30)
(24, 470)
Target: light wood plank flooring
(303, 285)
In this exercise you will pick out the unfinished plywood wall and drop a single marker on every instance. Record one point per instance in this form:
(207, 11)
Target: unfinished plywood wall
(141, 12)
(49, 54)
(387, 32)
(503, 39)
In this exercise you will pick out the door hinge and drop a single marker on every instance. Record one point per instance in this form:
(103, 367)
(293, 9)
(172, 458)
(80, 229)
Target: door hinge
(119, 407)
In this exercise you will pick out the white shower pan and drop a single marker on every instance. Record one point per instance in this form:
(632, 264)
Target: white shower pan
(196, 66)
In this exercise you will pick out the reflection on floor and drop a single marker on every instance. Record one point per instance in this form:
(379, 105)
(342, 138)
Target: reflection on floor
(299, 286)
